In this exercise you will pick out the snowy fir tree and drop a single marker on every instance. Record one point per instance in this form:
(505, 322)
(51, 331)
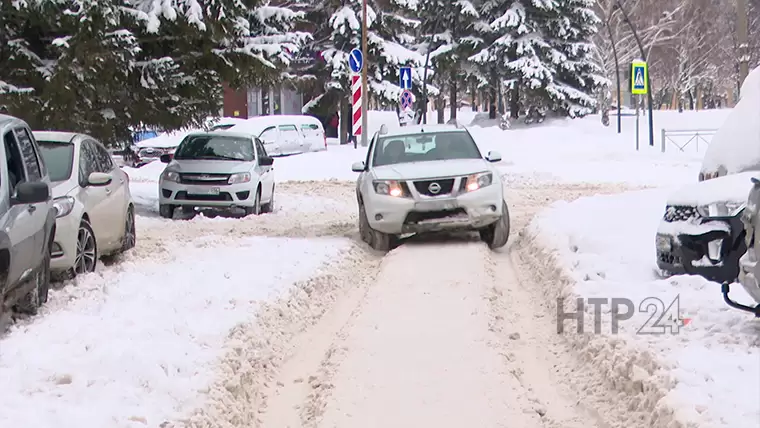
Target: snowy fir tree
(337, 30)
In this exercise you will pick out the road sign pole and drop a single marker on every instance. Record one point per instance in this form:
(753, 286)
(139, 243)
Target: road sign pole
(365, 94)
(637, 101)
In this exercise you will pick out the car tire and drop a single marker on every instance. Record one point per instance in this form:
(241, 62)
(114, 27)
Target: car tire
(497, 234)
(38, 295)
(256, 208)
(365, 232)
(377, 240)
(130, 231)
(86, 259)
(166, 210)
(269, 207)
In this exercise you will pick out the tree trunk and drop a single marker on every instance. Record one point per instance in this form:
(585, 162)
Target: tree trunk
(345, 120)
(474, 99)
(440, 104)
(492, 108)
(514, 102)
(454, 102)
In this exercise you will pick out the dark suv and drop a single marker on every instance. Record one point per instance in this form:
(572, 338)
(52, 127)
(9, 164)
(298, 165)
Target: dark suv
(27, 220)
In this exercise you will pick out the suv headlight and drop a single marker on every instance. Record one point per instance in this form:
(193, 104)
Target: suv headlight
(721, 209)
(63, 206)
(478, 181)
(170, 176)
(390, 188)
(240, 177)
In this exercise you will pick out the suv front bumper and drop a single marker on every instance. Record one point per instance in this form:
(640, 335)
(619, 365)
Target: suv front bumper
(466, 211)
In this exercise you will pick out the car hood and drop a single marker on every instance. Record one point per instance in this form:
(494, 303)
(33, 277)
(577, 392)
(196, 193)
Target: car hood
(729, 188)
(61, 188)
(431, 169)
(209, 166)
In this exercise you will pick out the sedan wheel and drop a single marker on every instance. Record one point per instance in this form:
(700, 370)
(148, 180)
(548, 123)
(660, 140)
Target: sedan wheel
(87, 250)
(130, 234)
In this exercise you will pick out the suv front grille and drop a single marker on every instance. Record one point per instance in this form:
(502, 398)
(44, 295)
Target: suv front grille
(680, 213)
(204, 179)
(423, 187)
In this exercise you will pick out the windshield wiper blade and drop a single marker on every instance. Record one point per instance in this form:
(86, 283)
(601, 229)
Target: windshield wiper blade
(219, 158)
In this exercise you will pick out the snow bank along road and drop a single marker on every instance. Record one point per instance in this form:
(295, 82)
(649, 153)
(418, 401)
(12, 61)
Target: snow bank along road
(433, 334)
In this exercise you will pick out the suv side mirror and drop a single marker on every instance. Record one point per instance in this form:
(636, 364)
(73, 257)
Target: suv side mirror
(34, 192)
(266, 161)
(493, 156)
(166, 158)
(357, 167)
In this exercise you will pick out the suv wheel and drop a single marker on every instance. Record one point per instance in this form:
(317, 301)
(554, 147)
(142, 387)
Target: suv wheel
(166, 211)
(377, 240)
(38, 295)
(364, 230)
(497, 234)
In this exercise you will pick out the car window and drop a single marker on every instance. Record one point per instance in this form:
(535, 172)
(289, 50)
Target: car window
(34, 170)
(310, 128)
(269, 134)
(15, 164)
(260, 150)
(215, 148)
(59, 158)
(425, 147)
(88, 161)
(104, 161)
(289, 130)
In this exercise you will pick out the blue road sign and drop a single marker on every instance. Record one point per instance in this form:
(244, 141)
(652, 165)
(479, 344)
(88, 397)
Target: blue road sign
(356, 60)
(405, 78)
(406, 100)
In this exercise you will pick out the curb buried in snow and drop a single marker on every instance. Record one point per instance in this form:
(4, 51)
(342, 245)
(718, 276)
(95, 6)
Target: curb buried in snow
(635, 375)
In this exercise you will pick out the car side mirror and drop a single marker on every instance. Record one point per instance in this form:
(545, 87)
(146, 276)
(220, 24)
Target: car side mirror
(99, 179)
(266, 161)
(493, 156)
(34, 192)
(166, 158)
(358, 167)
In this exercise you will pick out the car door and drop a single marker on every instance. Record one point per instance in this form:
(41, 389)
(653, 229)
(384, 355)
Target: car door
(266, 172)
(116, 196)
(291, 138)
(271, 139)
(95, 198)
(35, 171)
(312, 136)
(17, 221)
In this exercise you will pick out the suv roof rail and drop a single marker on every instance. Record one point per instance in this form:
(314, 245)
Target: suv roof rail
(383, 129)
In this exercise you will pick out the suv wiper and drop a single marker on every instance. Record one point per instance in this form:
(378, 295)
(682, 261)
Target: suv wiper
(220, 157)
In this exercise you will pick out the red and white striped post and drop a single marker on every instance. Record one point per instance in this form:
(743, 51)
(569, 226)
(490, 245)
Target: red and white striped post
(356, 92)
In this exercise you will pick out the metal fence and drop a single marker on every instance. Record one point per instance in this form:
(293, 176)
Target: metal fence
(681, 138)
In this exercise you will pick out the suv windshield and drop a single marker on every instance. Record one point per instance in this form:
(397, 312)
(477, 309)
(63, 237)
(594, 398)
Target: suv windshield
(59, 158)
(215, 148)
(425, 147)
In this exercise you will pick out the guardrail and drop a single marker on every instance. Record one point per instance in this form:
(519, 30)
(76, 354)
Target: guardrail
(691, 135)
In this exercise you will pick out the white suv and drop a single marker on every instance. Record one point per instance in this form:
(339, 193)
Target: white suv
(217, 170)
(429, 178)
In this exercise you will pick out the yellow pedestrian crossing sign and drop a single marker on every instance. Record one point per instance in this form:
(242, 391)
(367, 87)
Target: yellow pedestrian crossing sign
(639, 78)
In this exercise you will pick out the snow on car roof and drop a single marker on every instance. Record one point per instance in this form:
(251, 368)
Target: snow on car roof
(736, 145)
(421, 129)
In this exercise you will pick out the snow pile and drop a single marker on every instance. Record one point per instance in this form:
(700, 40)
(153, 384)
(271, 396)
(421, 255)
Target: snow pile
(121, 349)
(603, 247)
(737, 144)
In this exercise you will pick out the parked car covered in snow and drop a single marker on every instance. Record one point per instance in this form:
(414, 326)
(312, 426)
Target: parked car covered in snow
(701, 232)
(95, 213)
(749, 268)
(217, 170)
(280, 134)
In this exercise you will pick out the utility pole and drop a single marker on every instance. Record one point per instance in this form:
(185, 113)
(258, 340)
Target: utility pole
(365, 93)
(742, 37)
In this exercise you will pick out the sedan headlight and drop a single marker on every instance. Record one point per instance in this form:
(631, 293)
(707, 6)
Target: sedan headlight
(63, 206)
(390, 188)
(240, 177)
(721, 209)
(478, 181)
(170, 176)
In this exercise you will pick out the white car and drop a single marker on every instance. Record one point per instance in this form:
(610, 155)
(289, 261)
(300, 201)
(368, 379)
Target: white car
(95, 213)
(428, 178)
(217, 170)
(280, 134)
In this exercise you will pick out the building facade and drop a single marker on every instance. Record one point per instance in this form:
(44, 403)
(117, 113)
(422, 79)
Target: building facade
(261, 101)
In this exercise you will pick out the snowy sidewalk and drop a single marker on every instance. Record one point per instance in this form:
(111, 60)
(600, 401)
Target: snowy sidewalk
(707, 372)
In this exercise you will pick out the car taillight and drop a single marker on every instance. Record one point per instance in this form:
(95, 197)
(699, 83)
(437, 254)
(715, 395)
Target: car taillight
(324, 135)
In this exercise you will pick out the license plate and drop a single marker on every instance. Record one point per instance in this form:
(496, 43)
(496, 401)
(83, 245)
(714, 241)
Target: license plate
(203, 191)
(663, 243)
(435, 205)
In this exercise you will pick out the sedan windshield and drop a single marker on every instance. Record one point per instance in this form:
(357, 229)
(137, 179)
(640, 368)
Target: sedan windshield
(59, 158)
(215, 148)
(425, 147)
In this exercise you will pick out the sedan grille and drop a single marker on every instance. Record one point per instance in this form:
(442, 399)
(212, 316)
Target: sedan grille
(204, 179)
(680, 213)
(429, 187)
